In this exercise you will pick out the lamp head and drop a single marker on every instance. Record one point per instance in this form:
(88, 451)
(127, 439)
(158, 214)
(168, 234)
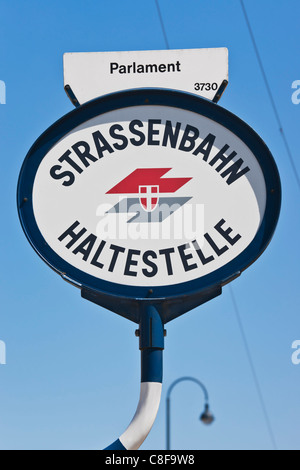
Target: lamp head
(206, 417)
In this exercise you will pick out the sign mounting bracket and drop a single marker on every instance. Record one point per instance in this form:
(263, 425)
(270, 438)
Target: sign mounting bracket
(169, 308)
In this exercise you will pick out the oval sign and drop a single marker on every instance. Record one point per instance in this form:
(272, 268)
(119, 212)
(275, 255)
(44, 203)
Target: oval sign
(149, 190)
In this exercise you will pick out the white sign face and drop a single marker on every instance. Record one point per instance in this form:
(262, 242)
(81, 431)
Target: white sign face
(133, 197)
(93, 74)
(149, 191)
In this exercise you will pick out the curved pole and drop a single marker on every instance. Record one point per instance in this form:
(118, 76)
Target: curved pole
(191, 379)
(181, 379)
(151, 335)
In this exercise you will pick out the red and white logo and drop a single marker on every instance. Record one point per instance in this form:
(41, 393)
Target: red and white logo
(150, 188)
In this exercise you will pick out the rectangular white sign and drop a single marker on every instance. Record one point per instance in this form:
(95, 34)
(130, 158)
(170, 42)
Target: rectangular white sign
(88, 75)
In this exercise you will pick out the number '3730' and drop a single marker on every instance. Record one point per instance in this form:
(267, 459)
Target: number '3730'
(205, 86)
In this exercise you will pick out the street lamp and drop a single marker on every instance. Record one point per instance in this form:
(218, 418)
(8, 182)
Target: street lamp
(206, 417)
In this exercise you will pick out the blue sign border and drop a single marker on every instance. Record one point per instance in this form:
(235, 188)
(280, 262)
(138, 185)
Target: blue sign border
(144, 97)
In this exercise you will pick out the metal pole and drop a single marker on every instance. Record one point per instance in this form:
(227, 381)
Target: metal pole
(168, 424)
(168, 404)
(151, 334)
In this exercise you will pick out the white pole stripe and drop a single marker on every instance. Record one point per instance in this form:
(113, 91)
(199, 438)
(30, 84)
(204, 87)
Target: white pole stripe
(144, 417)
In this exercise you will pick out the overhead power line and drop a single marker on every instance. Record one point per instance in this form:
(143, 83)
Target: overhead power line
(252, 367)
(162, 24)
(276, 113)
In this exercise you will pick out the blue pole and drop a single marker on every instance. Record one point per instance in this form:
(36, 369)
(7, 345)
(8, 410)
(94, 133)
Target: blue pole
(151, 334)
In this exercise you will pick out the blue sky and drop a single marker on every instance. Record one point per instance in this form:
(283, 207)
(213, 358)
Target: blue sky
(72, 375)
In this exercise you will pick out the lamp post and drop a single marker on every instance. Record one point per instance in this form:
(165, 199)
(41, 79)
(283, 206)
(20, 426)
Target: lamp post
(206, 417)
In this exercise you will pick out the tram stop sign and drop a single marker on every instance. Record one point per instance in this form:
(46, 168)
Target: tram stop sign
(149, 195)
